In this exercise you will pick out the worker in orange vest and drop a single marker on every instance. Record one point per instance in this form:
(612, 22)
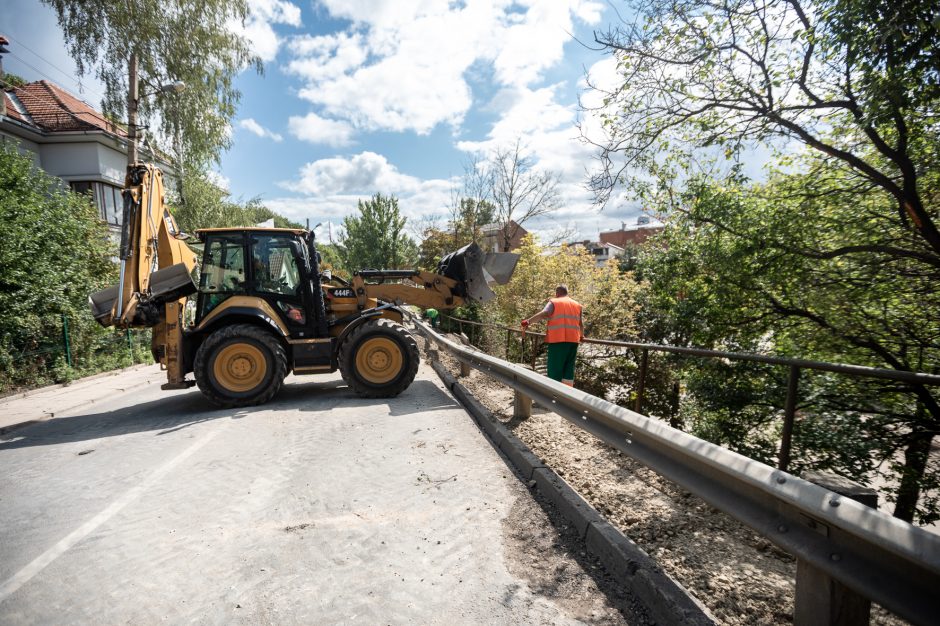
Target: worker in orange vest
(565, 331)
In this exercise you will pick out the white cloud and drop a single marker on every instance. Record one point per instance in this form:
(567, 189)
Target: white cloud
(276, 11)
(402, 65)
(603, 78)
(255, 128)
(534, 43)
(316, 129)
(364, 173)
(327, 57)
(332, 187)
(258, 29)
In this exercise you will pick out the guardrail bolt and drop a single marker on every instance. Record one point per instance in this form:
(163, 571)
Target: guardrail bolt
(820, 598)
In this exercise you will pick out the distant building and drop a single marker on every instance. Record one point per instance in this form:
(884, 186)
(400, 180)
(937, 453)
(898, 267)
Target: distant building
(634, 235)
(495, 236)
(604, 253)
(71, 140)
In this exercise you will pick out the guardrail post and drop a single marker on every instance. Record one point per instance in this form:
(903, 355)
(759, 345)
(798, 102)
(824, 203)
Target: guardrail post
(641, 385)
(821, 599)
(464, 369)
(789, 416)
(521, 405)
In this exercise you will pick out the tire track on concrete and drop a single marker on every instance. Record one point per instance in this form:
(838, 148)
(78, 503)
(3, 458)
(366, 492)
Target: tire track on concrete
(12, 584)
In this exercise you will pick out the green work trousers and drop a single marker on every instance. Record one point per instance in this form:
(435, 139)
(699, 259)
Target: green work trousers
(561, 358)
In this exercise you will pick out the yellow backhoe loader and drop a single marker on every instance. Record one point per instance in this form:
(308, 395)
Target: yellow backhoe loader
(258, 306)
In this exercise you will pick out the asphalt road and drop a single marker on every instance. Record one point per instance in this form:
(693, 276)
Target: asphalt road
(319, 507)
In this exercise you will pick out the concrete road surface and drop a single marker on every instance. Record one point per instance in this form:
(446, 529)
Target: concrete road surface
(319, 507)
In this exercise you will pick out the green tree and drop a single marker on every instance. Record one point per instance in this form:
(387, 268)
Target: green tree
(517, 190)
(11, 80)
(331, 259)
(376, 239)
(749, 267)
(206, 205)
(177, 40)
(609, 298)
(836, 257)
(54, 251)
(468, 216)
(853, 80)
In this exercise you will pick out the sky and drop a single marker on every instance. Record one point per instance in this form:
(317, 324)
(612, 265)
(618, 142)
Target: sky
(392, 96)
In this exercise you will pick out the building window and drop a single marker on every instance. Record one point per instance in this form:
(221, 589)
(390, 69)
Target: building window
(107, 199)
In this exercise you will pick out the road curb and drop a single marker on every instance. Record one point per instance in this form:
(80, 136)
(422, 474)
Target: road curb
(51, 415)
(667, 601)
(16, 395)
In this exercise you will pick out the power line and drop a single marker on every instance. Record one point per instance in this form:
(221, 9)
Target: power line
(20, 44)
(72, 79)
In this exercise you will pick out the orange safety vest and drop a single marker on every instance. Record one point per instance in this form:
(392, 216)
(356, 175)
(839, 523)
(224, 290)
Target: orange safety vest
(565, 323)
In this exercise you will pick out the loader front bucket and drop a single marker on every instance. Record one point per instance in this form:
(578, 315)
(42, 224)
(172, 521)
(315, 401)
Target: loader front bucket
(476, 270)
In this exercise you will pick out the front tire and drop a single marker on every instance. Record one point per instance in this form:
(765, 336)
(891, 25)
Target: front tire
(240, 365)
(379, 359)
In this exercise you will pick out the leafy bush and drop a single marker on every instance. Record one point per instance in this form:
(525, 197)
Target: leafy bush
(54, 251)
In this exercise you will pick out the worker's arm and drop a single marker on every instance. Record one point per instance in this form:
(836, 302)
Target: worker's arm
(538, 317)
(541, 315)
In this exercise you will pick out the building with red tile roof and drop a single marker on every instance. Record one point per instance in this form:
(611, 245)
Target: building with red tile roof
(70, 139)
(632, 235)
(496, 235)
(54, 110)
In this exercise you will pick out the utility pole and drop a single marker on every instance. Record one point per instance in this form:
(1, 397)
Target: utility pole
(132, 97)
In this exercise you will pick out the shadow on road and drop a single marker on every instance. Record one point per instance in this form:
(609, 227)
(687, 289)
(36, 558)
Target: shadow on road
(178, 410)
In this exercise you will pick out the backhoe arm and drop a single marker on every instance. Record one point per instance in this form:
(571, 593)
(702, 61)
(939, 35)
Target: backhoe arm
(428, 291)
(155, 262)
(155, 272)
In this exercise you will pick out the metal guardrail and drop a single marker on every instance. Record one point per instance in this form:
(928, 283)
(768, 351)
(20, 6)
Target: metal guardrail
(795, 367)
(878, 556)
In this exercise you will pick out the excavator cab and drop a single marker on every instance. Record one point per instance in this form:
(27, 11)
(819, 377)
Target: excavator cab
(269, 264)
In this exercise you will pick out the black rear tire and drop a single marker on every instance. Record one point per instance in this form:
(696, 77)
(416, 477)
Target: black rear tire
(240, 365)
(379, 359)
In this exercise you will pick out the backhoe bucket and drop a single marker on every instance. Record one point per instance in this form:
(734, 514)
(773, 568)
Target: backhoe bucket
(170, 283)
(476, 270)
(102, 303)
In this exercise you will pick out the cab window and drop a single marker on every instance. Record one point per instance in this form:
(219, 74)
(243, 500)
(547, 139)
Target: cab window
(274, 266)
(223, 271)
